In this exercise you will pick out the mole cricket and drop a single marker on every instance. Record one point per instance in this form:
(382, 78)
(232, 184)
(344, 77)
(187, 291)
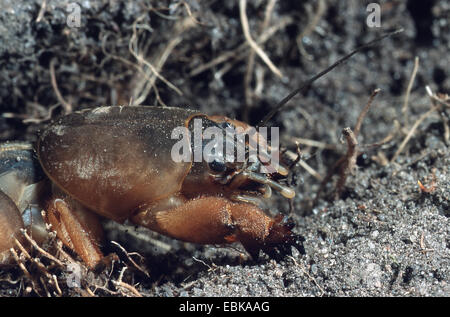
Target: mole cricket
(115, 162)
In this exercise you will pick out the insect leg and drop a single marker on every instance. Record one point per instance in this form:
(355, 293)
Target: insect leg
(77, 227)
(217, 220)
(205, 220)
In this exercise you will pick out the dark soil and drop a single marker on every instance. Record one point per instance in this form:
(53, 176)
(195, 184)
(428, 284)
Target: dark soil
(383, 237)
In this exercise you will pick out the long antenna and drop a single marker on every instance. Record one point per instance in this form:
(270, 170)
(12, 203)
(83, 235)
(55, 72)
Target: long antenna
(305, 85)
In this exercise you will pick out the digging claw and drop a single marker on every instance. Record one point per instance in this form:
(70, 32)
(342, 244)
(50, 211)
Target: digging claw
(280, 241)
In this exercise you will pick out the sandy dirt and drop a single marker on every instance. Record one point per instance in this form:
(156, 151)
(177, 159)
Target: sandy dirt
(384, 235)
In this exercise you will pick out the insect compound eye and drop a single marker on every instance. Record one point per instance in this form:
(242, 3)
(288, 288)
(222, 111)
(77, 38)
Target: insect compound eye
(217, 166)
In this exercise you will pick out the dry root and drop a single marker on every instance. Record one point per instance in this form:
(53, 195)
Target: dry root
(347, 163)
(50, 271)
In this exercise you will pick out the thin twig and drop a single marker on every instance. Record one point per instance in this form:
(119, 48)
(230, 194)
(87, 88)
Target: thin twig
(412, 130)
(39, 264)
(41, 11)
(268, 14)
(129, 287)
(251, 42)
(202, 262)
(320, 10)
(133, 47)
(89, 292)
(443, 102)
(189, 12)
(142, 88)
(363, 113)
(44, 285)
(138, 267)
(238, 53)
(55, 280)
(347, 163)
(22, 249)
(314, 143)
(251, 62)
(24, 270)
(306, 166)
(408, 90)
(67, 106)
(127, 62)
(42, 251)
